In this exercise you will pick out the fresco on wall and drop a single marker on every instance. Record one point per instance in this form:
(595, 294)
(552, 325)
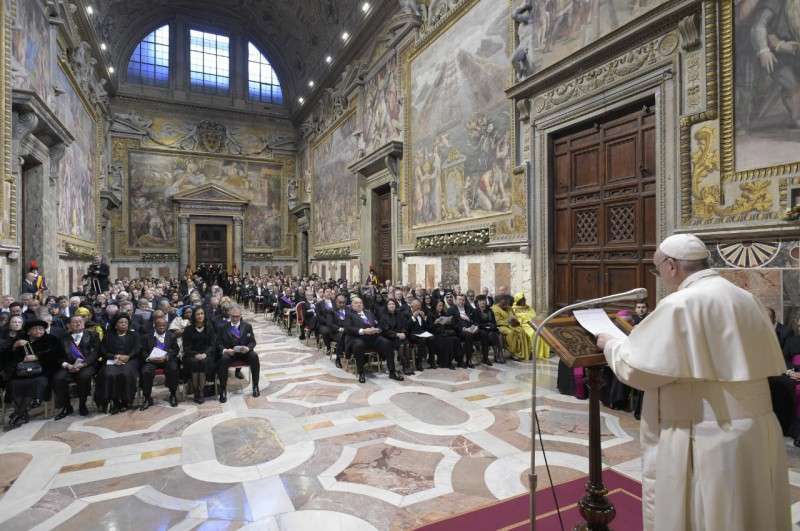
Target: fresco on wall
(31, 49)
(767, 85)
(76, 169)
(383, 107)
(154, 178)
(335, 187)
(461, 121)
(562, 27)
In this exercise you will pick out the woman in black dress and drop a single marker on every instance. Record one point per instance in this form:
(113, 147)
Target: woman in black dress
(394, 327)
(9, 334)
(29, 365)
(199, 352)
(445, 336)
(488, 332)
(121, 357)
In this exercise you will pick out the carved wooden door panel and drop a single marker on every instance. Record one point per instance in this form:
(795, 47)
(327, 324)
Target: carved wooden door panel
(604, 196)
(382, 233)
(212, 244)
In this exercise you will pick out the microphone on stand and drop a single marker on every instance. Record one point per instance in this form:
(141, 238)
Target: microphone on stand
(632, 295)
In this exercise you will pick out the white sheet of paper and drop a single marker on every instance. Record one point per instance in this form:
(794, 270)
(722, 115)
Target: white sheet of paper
(597, 322)
(424, 334)
(157, 354)
(112, 361)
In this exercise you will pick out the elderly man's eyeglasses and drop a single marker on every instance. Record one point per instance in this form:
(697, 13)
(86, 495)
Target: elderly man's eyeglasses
(654, 271)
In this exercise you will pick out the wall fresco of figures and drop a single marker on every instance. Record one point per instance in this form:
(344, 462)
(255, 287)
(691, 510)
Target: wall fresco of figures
(562, 27)
(382, 114)
(335, 189)
(77, 168)
(154, 178)
(767, 85)
(461, 151)
(30, 60)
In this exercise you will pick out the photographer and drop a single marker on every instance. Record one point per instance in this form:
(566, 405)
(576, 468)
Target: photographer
(98, 275)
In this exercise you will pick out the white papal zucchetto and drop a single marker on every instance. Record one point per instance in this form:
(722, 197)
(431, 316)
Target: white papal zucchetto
(684, 247)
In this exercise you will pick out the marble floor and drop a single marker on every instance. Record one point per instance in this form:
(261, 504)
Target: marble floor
(315, 451)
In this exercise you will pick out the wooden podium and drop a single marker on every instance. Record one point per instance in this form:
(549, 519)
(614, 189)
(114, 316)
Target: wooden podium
(577, 348)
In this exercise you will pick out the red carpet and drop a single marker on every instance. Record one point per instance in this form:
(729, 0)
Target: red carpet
(512, 514)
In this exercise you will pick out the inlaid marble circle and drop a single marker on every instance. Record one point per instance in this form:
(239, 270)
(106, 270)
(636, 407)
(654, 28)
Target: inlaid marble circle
(246, 441)
(429, 409)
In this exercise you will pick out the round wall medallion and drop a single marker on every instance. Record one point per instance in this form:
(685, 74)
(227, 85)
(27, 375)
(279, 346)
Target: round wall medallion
(749, 254)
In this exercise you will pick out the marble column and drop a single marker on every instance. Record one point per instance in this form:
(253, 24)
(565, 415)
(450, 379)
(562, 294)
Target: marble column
(237, 243)
(183, 243)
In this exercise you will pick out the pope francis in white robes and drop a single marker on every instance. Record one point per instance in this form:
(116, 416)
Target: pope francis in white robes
(714, 456)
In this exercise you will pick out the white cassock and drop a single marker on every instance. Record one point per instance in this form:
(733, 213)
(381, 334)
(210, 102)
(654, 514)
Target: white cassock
(714, 455)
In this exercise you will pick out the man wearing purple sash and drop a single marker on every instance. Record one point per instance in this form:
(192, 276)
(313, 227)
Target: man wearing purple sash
(237, 342)
(364, 335)
(81, 347)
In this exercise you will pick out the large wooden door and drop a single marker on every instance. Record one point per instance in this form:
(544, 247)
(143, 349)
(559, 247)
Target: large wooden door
(212, 244)
(604, 196)
(382, 232)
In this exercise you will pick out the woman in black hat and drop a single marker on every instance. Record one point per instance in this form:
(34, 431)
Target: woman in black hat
(120, 356)
(32, 362)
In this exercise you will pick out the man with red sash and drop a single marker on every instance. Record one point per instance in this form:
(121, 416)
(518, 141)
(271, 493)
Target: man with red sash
(159, 351)
(81, 347)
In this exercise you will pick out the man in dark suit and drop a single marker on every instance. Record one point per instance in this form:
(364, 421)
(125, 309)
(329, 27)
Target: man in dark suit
(782, 331)
(467, 329)
(159, 351)
(237, 342)
(364, 335)
(82, 349)
(29, 284)
(332, 325)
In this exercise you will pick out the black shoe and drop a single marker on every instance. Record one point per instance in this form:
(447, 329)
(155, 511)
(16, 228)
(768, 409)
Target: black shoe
(65, 412)
(223, 397)
(419, 367)
(362, 378)
(338, 363)
(452, 366)
(83, 411)
(396, 376)
(19, 421)
(462, 365)
(256, 392)
(470, 365)
(434, 366)
(114, 409)
(302, 337)
(147, 403)
(123, 407)
(487, 361)
(408, 372)
(239, 374)
(173, 400)
(35, 403)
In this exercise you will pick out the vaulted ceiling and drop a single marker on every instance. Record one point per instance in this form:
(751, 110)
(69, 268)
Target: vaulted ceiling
(296, 35)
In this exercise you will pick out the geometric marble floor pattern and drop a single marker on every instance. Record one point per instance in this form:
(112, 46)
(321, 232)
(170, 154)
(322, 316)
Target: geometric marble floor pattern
(315, 451)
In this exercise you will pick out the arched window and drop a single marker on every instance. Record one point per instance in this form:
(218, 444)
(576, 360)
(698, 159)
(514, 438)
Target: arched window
(262, 82)
(149, 63)
(209, 60)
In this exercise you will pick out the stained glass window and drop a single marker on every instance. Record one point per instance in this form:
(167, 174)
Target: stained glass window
(209, 60)
(262, 82)
(149, 62)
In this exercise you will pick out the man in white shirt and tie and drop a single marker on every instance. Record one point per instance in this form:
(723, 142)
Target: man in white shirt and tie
(81, 349)
(362, 329)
